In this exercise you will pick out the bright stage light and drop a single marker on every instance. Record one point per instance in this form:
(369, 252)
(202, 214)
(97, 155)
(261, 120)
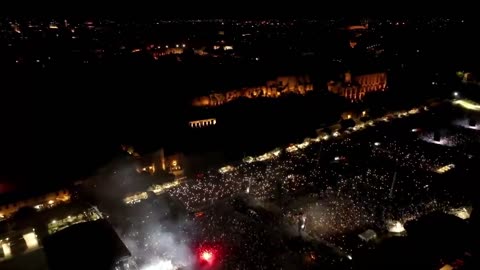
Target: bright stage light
(207, 256)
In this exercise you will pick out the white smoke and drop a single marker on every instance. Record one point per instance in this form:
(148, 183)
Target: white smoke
(156, 248)
(151, 229)
(160, 265)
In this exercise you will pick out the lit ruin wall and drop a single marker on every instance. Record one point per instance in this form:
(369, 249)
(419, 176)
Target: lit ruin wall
(203, 123)
(357, 87)
(272, 89)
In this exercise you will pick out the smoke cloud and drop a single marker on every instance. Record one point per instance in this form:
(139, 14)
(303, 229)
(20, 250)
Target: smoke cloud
(152, 229)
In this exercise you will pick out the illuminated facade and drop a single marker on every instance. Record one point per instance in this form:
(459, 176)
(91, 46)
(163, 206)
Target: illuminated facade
(355, 88)
(202, 123)
(39, 203)
(158, 162)
(175, 168)
(272, 89)
(167, 51)
(26, 234)
(13, 244)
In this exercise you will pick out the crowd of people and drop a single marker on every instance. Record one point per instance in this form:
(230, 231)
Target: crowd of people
(342, 185)
(326, 190)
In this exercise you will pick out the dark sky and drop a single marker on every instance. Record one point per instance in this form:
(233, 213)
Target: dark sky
(63, 124)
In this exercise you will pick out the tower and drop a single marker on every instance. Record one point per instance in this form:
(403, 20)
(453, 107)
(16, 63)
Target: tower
(162, 159)
(348, 77)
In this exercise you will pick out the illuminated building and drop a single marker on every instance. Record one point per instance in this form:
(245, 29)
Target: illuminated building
(28, 231)
(272, 89)
(7, 252)
(135, 198)
(39, 203)
(355, 88)
(31, 240)
(161, 160)
(202, 123)
(175, 168)
(167, 51)
(159, 163)
(156, 163)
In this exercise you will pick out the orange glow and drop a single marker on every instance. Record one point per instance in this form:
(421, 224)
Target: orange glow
(355, 88)
(357, 27)
(299, 85)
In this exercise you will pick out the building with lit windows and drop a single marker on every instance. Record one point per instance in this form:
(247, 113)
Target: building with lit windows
(23, 232)
(355, 88)
(42, 202)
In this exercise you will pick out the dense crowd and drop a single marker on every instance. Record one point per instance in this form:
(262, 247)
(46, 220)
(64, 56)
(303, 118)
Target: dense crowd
(325, 191)
(342, 185)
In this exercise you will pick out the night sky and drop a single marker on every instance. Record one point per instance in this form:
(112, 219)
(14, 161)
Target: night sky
(62, 124)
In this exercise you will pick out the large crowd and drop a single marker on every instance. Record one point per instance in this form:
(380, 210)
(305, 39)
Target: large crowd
(325, 190)
(342, 185)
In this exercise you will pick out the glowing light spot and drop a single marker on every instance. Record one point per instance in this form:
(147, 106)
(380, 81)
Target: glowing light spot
(395, 227)
(467, 104)
(206, 256)
(31, 240)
